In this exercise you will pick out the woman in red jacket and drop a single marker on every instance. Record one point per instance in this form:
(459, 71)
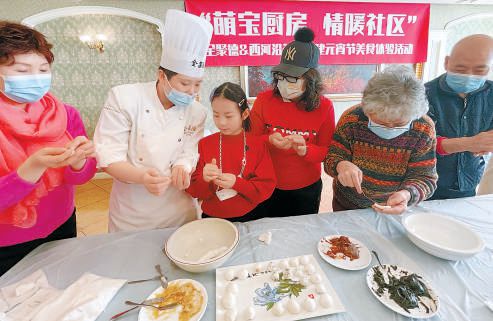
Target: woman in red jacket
(234, 172)
(297, 122)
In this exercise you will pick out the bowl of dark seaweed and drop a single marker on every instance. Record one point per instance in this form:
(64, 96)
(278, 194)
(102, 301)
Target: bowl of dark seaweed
(403, 291)
(442, 236)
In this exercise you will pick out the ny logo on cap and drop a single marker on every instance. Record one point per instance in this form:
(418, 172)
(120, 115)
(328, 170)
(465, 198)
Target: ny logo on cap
(198, 64)
(290, 52)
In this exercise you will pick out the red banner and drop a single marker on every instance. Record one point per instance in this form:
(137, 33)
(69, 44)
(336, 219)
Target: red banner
(253, 33)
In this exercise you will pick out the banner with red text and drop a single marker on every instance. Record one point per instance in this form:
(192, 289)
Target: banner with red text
(253, 33)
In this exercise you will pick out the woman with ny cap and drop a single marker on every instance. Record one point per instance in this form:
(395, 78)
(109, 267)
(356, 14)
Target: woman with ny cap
(147, 134)
(297, 122)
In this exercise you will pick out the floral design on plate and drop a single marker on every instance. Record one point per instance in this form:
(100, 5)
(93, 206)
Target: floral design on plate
(270, 295)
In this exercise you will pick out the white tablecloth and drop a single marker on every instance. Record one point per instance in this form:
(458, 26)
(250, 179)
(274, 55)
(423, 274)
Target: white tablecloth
(462, 286)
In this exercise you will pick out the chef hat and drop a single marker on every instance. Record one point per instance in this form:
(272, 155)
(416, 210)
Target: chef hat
(186, 38)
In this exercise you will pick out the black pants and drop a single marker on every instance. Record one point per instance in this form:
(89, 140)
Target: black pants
(301, 201)
(256, 213)
(10, 255)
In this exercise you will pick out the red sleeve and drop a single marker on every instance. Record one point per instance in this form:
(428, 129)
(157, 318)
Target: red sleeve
(260, 187)
(440, 150)
(83, 175)
(75, 125)
(198, 187)
(13, 190)
(316, 153)
(257, 119)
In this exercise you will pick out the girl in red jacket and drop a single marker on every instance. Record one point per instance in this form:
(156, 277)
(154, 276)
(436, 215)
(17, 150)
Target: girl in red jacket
(234, 173)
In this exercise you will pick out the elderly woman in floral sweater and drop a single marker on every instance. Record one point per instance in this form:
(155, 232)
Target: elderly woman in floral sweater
(383, 151)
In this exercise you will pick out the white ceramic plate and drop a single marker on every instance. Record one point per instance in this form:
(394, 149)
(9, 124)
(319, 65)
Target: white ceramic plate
(146, 314)
(254, 288)
(421, 311)
(345, 263)
(442, 236)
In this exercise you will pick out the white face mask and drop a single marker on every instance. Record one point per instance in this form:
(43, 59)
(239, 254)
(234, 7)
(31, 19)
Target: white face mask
(387, 132)
(178, 98)
(290, 91)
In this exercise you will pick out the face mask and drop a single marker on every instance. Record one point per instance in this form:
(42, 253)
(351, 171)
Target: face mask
(290, 91)
(26, 88)
(178, 98)
(464, 83)
(387, 132)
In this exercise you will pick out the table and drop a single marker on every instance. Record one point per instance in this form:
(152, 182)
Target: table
(462, 286)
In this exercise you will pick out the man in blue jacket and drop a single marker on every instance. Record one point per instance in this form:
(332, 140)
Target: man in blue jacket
(461, 105)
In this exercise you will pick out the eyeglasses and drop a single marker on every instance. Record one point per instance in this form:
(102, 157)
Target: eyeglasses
(289, 79)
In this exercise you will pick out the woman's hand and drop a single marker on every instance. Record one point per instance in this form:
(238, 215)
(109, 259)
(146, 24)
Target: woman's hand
(298, 143)
(397, 202)
(180, 177)
(154, 182)
(349, 175)
(49, 157)
(280, 142)
(83, 148)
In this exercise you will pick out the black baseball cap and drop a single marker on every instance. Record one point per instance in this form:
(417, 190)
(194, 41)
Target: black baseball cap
(300, 55)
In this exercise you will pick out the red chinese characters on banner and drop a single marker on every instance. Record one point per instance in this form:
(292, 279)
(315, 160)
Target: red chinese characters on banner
(346, 33)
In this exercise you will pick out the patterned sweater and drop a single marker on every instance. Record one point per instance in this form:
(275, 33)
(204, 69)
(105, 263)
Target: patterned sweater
(406, 162)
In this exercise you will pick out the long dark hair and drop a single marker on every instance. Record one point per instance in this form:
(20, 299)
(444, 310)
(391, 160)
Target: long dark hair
(236, 94)
(310, 100)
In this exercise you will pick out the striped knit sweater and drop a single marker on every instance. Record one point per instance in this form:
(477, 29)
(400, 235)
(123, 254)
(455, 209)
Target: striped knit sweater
(406, 162)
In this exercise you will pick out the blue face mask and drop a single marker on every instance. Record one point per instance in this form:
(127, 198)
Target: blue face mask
(387, 132)
(464, 83)
(26, 88)
(178, 98)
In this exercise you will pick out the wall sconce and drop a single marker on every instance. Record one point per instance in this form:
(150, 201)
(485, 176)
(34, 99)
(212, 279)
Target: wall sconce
(96, 43)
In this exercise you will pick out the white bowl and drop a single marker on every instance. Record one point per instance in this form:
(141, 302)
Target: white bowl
(442, 236)
(202, 245)
(434, 251)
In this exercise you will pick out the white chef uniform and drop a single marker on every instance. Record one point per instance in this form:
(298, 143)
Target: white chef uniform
(135, 127)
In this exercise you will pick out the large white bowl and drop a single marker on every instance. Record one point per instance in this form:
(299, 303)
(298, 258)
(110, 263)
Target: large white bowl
(442, 236)
(191, 244)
